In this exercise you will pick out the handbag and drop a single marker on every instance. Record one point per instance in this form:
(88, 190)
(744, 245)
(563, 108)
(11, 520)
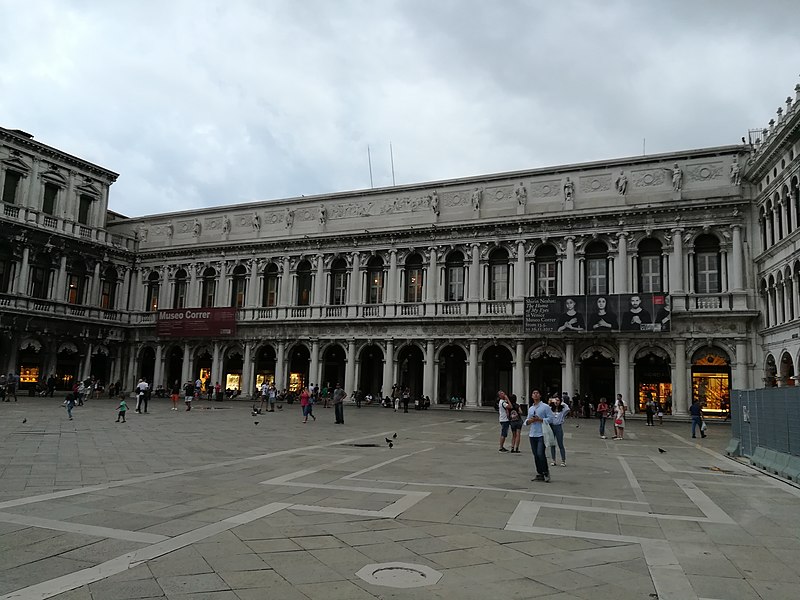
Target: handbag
(703, 426)
(548, 435)
(617, 421)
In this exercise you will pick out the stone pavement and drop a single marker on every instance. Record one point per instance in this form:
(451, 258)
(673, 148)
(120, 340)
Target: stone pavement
(209, 505)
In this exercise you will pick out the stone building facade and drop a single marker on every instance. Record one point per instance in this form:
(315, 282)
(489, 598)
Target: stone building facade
(419, 285)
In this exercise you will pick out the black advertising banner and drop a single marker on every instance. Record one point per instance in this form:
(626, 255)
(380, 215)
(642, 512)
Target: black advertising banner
(611, 313)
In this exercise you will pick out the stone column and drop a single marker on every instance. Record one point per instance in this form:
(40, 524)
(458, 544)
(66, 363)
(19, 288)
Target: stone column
(193, 293)
(319, 284)
(247, 370)
(280, 366)
(313, 370)
(520, 289)
(723, 272)
(355, 287)
(216, 367)
(221, 297)
(252, 286)
(286, 284)
(680, 392)
(124, 290)
(186, 367)
(624, 375)
(158, 371)
(132, 371)
(569, 368)
(349, 378)
(427, 375)
(388, 372)
(61, 281)
(391, 283)
(676, 262)
(738, 260)
(740, 379)
(569, 268)
(621, 265)
(431, 278)
(472, 374)
(475, 275)
(21, 287)
(519, 371)
(86, 367)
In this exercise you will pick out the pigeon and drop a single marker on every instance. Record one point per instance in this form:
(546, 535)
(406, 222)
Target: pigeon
(280, 406)
(661, 450)
(391, 445)
(395, 436)
(388, 441)
(256, 422)
(24, 420)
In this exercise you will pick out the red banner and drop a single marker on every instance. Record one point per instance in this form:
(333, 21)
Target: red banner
(196, 322)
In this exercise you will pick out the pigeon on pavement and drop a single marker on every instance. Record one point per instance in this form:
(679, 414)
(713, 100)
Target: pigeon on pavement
(388, 441)
(391, 445)
(256, 422)
(661, 450)
(395, 436)
(25, 420)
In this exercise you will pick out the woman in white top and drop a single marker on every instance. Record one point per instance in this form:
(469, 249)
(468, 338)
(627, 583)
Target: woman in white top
(619, 421)
(560, 411)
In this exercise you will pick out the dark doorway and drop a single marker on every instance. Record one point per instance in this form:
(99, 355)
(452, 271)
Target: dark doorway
(497, 374)
(232, 369)
(545, 374)
(174, 367)
(653, 379)
(410, 370)
(597, 378)
(452, 374)
(334, 361)
(299, 361)
(371, 379)
(147, 364)
(266, 359)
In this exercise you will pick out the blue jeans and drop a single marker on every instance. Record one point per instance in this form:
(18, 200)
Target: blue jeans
(339, 410)
(558, 431)
(697, 423)
(539, 456)
(602, 425)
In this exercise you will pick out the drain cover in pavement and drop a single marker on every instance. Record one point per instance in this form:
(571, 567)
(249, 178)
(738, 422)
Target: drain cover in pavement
(399, 575)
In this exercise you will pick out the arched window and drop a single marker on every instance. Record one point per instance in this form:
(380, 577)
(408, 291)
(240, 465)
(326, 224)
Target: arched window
(50, 198)
(39, 282)
(596, 269)
(108, 289)
(375, 280)
(787, 202)
(153, 287)
(545, 271)
(208, 287)
(6, 266)
(338, 296)
(304, 283)
(11, 186)
(498, 274)
(649, 276)
(778, 218)
(706, 257)
(762, 221)
(454, 276)
(76, 282)
(239, 287)
(413, 277)
(179, 299)
(270, 296)
(771, 223)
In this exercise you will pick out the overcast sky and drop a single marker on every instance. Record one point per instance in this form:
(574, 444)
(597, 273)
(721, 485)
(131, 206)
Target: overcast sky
(201, 103)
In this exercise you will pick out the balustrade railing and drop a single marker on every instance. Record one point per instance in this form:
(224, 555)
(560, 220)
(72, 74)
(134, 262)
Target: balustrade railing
(335, 311)
(451, 308)
(411, 310)
(11, 211)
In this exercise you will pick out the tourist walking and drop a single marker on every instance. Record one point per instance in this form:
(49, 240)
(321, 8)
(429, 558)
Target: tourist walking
(70, 404)
(560, 412)
(338, 403)
(141, 395)
(189, 390)
(650, 411)
(515, 422)
(697, 418)
(306, 404)
(272, 396)
(538, 413)
(503, 408)
(123, 408)
(602, 414)
(406, 399)
(174, 394)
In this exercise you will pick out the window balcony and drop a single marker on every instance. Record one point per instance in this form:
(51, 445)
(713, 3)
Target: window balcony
(452, 308)
(497, 307)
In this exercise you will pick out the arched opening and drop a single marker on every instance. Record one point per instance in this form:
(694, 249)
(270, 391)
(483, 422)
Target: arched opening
(174, 367)
(338, 291)
(202, 368)
(497, 374)
(40, 276)
(181, 286)
(304, 283)
(239, 287)
(108, 289)
(596, 277)
(452, 374)
(76, 281)
(410, 366)
(370, 380)
(208, 287)
(7, 266)
(413, 279)
(299, 361)
(454, 277)
(375, 278)
(499, 276)
(232, 369)
(270, 292)
(334, 361)
(652, 378)
(770, 372)
(67, 365)
(147, 364)
(786, 378)
(545, 375)
(545, 273)
(597, 378)
(711, 381)
(151, 292)
(100, 367)
(266, 359)
(30, 367)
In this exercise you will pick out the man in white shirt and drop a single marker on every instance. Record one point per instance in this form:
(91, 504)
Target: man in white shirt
(141, 395)
(503, 406)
